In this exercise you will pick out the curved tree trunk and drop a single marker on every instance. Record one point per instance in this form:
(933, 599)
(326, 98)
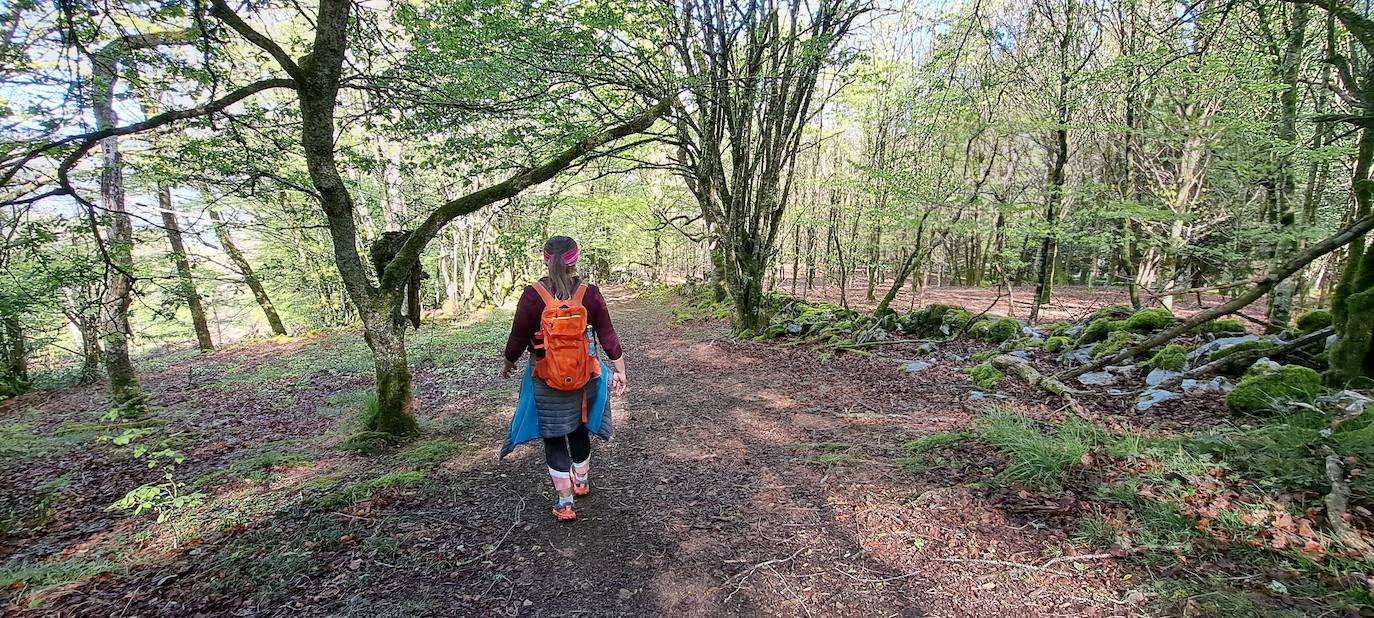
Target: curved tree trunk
(250, 279)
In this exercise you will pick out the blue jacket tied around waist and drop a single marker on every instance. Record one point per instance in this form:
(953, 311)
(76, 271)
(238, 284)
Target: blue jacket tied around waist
(524, 426)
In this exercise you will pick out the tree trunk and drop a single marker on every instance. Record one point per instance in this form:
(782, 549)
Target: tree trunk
(1283, 185)
(245, 270)
(385, 335)
(185, 277)
(119, 281)
(1049, 246)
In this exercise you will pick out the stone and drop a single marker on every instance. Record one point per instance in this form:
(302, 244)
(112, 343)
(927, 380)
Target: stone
(1217, 385)
(1021, 354)
(1349, 402)
(1097, 378)
(1158, 376)
(1206, 349)
(1153, 396)
(1074, 331)
(980, 396)
(926, 348)
(793, 328)
(1076, 357)
(915, 366)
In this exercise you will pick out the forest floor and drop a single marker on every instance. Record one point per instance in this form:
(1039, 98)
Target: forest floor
(745, 478)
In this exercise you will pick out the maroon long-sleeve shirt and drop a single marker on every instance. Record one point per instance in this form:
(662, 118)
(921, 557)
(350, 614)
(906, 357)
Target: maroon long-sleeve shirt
(531, 307)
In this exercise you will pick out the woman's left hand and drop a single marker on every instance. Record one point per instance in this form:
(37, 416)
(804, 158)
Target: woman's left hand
(507, 369)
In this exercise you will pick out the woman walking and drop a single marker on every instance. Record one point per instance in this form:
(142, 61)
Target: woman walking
(559, 320)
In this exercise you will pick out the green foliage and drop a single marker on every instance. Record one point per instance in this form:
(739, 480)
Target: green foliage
(1115, 342)
(1094, 531)
(1313, 321)
(996, 331)
(260, 468)
(1057, 343)
(1155, 318)
(1270, 389)
(164, 498)
(935, 441)
(985, 376)
(1172, 357)
(1039, 459)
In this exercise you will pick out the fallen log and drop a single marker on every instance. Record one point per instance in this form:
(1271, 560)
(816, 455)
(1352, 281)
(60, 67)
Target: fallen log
(1337, 501)
(1233, 362)
(1263, 285)
(1022, 369)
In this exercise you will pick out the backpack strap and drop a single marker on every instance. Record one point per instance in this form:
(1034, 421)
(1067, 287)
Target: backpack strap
(577, 296)
(544, 293)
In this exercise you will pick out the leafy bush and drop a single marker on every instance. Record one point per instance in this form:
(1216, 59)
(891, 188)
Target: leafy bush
(1144, 320)
(985, 376)
(1057, 343)
(1313, 321)
(1267, 389)
(1172, 358)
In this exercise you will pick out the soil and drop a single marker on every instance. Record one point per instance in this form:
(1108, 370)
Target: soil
(750, 479)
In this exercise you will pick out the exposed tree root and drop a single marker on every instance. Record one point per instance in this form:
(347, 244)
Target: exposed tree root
(1336, 504)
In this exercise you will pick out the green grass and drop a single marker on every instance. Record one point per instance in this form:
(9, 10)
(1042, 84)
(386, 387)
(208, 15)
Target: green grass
(262, 467)
(26, 581)
(436, 451)
(358, 492)
(935, 441)
(1039, 459)
(1094, 531)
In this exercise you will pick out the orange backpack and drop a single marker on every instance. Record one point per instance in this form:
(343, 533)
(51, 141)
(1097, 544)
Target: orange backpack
(567, 364)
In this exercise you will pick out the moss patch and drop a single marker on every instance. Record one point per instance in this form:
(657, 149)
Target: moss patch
(1264, 389)
(1313, 321)
(1057, 343)
(1145, 320)
(998, 331)
(1228, 326)
(985, 376)
(1172, 358)
(1115, 342)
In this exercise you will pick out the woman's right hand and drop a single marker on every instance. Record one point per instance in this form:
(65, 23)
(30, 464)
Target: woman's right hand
(618, 385)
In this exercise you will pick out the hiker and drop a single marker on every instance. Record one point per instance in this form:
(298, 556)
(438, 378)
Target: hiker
(564, 397)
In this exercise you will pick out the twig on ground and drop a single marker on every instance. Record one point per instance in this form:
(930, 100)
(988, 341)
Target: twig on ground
(744, 575)
(1014, 565)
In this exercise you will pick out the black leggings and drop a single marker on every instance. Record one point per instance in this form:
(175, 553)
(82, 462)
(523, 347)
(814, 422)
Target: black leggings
(562, 451)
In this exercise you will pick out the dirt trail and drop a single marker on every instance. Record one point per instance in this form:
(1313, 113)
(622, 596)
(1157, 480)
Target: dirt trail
(710, 500)
(745, 479)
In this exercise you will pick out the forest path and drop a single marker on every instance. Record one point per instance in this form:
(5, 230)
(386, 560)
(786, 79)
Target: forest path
(755, 479)
(745, 479)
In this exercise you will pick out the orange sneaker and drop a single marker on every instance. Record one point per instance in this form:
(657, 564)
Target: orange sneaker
(581, 487)
(564, 512)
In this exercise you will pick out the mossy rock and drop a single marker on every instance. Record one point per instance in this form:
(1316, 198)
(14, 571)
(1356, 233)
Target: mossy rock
(1115, 342)
(1057, 343)
(928, 320)
(1258, 344)
(1264, 389)
(1055, 329)
(369, 442)
(1145, 320)
(996, 331)
(1172, 358)
(1229, 326)
(1098, 330)
(1111, 312)
(985, 376)
(1313, 321)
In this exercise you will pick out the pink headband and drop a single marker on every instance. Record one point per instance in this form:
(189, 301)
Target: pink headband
(569, 257)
